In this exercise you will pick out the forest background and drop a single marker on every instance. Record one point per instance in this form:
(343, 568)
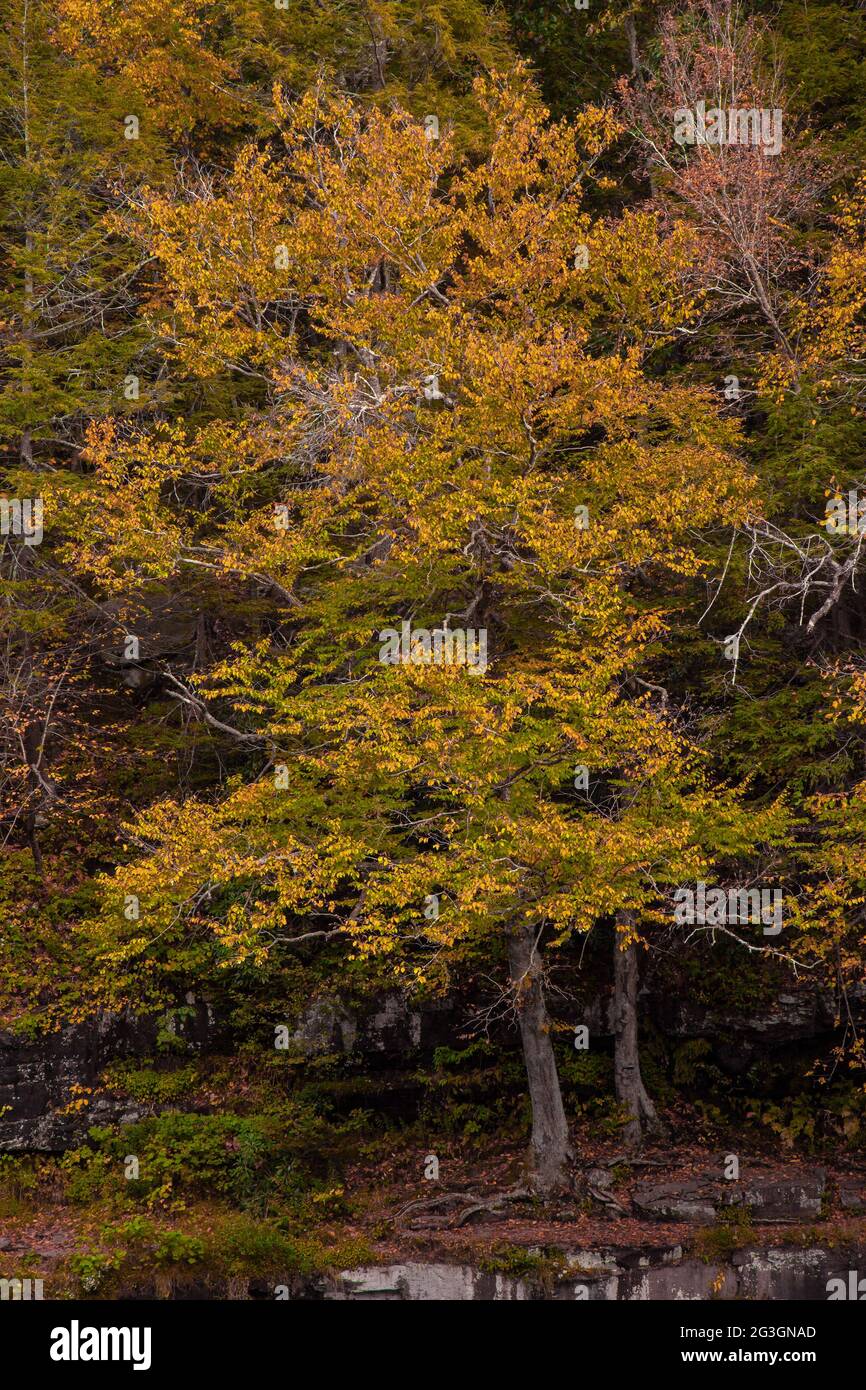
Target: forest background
(321, 319)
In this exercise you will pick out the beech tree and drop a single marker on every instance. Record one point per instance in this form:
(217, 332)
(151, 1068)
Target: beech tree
(97, 99)
(722, 143)
(464, 487)
(385, 522)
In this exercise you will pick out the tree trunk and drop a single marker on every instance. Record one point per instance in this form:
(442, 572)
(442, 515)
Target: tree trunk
(550, 1151)
(630, 1090)
(634, 52)
(42, 788)
(26, 448)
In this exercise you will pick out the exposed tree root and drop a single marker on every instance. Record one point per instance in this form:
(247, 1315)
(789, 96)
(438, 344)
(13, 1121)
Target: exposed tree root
(472, 1204)
(598, 1185)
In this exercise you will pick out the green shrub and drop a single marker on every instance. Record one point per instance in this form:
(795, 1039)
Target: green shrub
(243, 1245)
(733, 1231)
(93, 1269)
(516, 1262)
(151, 1085)
(174, 1248)
(194, 1155)
(249, 1161)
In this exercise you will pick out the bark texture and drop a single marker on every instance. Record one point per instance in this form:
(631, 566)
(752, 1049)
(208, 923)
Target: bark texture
(630, 1090)
(550, 1150)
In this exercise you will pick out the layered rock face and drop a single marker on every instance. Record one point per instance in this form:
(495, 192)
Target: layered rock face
(39, 1078)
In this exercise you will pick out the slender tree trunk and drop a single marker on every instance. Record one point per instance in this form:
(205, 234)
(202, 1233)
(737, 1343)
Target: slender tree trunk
(26, 448)
(634, 51)
(550, 1150)
(630, 1090)
(637, 74)
(761, 292)
(43, 790)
